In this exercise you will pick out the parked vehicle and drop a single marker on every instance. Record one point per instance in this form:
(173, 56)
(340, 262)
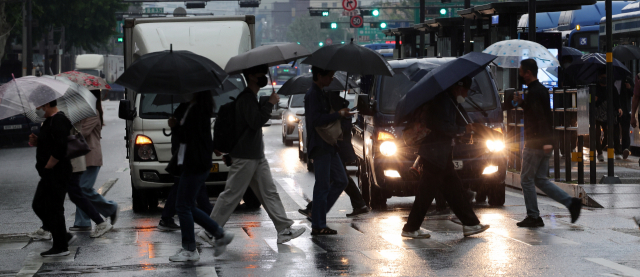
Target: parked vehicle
(383, 158)
(284, 72)
(290, 119)
(276, 113)
(16, 129)
(148, 145)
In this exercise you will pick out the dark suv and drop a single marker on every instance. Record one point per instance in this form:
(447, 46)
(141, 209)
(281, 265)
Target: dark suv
(384, 159)
(16, 129)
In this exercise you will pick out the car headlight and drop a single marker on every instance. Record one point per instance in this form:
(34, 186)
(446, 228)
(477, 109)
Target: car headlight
(292, 118)
(388, 148)
(495, 145)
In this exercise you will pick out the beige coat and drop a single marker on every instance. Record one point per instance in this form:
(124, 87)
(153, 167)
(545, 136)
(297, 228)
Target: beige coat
(91, 129)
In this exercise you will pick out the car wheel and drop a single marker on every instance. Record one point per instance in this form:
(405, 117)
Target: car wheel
(300, 157)
(481, 194)
(376, 194)
(363, 183)
(288, 142)
(497, 195)
(250, 199)
(140, 204)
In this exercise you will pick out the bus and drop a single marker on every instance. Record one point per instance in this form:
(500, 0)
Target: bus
(380, 46)
(282, 73)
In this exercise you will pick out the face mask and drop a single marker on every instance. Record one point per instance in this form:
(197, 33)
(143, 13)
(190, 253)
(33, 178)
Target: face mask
(262, 81)
(40, 113)
(460, 99)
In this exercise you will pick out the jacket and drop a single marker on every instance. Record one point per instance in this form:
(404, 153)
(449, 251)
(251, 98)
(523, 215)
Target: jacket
(91, 130)
(196, 134)
(52, 141)
(250, 117)
(538, 120)
(601, 93)
(317, 113)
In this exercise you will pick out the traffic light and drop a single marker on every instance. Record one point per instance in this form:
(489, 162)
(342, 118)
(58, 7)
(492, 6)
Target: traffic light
(375, 12)
(318, 12)
(321, 44)
(334, 25)
(119, 40)
(369, 12)
(443, 11)
(381, 25)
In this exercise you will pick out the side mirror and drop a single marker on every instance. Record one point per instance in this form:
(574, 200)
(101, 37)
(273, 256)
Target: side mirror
(124, 112)
(363, 105)
(282, 106)
(300, 113)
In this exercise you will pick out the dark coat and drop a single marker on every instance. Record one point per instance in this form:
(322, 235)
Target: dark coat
(345, 148)
(52, 141)
(250, 117)
(538, 119)
(196, 134)
(317, 113)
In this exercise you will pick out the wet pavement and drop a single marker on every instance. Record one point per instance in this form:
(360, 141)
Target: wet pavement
(604, 242)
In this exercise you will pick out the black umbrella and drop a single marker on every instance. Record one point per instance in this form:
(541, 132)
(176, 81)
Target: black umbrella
(569, 51)
(625, 53)
(301, 83)
(351, 58)
(439, 80)
(585, 70)
(416, 71)
(172, 72)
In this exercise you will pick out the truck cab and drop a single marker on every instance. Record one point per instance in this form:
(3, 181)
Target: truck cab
(92, 64)
(384, 159)
(148, 139)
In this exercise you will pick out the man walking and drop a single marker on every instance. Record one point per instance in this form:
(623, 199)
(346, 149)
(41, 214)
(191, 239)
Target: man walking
(249, 165)
(538, 137)
(443, 118)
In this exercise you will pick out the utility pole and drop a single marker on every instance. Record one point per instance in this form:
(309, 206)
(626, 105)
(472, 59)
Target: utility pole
(29, 57)
(467, 29)
(532, 20)
(421, 21)
(610, 178)
(24, 39)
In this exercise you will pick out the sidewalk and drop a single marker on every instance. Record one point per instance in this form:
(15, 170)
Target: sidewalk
(625, 195)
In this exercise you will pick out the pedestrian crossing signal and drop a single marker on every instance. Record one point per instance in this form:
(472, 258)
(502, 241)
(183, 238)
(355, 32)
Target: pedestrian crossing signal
(334, 25)
(325, 13)
(119, 40)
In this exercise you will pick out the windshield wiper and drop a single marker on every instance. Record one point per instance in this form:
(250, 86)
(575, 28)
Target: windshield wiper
(477, 107)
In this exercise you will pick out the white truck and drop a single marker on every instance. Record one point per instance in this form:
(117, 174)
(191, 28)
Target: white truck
(148, 147)
(91, 64)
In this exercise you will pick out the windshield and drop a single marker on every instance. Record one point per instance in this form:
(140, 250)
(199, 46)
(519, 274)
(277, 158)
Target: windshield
(90, 71)
(297, 101)
(394, 88)
(159, 106)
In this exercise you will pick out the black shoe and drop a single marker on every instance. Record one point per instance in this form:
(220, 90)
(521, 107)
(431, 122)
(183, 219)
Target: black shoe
(168, 225)
(575, 208)
(531, 222)
(359, 211)
(114, 216)
(71, 238)
(305, 212)
(80, 228)
(55, 252)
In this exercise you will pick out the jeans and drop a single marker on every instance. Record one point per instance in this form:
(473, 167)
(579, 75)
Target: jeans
(331, 180)
(170, 206)
(190, 186)
(447, 182)
(48, 204)
(352, 191)
(77, 197)
(105, 207)
(535, 167)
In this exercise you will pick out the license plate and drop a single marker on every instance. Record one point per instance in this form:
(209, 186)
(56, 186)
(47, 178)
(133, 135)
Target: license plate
(457, 165)
(12, 127)
(215, 168)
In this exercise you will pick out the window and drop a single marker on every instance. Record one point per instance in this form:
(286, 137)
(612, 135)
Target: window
(334, 4)
(324, 5)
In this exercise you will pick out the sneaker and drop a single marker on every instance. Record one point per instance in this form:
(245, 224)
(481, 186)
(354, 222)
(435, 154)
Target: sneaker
(184, 255)
(80, 228)
(618, 157)
(221, 243)
(55, 253)
(289, 234)
(168, 225)
(476, 229)
(71, 238)
(600, 158)
(208, 238)
(101, 229)
(114, 216)
(575, 208)
(40, 234)
(359, 211)
(531, 222)
(626, 153)
(419, 234)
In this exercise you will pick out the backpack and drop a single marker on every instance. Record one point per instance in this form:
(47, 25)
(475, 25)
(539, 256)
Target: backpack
(224, 131)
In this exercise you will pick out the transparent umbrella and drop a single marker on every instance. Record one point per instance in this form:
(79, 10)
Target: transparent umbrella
(77, 103)
(27, 93)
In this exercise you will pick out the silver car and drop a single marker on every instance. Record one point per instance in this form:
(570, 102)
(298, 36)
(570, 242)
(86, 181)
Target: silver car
(290, 119)
(276, 113)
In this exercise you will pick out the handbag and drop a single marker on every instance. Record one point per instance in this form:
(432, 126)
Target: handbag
(76, 144)
(78, 164)
(331, 132)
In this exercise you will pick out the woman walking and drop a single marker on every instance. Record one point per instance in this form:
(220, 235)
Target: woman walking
(194, 160)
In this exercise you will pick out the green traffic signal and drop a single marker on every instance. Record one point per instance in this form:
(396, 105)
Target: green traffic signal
(334, 25)
(325, 13)
(375, 12)
(321, 44)
(120, 40)
(383, 25)
(443, 11)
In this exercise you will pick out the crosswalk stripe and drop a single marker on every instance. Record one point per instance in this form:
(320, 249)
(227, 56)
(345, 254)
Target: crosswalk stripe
(627, 271)
(296, 246)
(295, 192)
(208, 271)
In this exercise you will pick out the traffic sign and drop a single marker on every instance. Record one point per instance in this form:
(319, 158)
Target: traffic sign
(349, 5)
(356, 21)
(328, 41)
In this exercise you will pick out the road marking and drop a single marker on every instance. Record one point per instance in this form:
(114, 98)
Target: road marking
(381, 254)
(34, 261)
(107, 186)
(627, 271)
(122, 169)
(411, 243)
(295, 192)
(208, 271)
(296, 246)
(543, 201)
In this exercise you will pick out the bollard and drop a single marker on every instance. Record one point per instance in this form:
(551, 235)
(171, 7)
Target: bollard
(580, 160)
(567, 109)
(556, 138)
(592, 134)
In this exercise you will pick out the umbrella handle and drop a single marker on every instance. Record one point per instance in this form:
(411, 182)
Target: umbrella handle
(164, 131)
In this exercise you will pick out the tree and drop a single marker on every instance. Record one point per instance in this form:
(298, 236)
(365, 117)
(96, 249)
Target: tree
(306, 30)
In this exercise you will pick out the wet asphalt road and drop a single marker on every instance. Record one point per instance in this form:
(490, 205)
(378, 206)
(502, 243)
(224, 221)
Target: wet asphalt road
(604, 242)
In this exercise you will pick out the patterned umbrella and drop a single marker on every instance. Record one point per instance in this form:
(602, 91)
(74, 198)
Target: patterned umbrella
(87, 80)
(77, 103)
(511, 52)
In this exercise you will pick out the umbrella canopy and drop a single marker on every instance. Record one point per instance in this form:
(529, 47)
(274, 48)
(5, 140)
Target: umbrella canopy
(511, 52)
(569, 51)
(267, 54)
(439, 80)
(87, 80)
(172, 72)
(77, 103)
(27, 93)
(300, 84)
(585, 70)
(351, 58)
(625, 53)
(416, 71)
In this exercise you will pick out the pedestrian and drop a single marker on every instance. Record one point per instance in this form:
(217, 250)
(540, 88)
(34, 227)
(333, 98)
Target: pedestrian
(538, 139)
(331, 177)
(601, 116)
(55, 172)
(91, 129)
(347, 156)
(446, 120)
(249, 166)
(194, 159)
(626, 93)
(202, 199)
